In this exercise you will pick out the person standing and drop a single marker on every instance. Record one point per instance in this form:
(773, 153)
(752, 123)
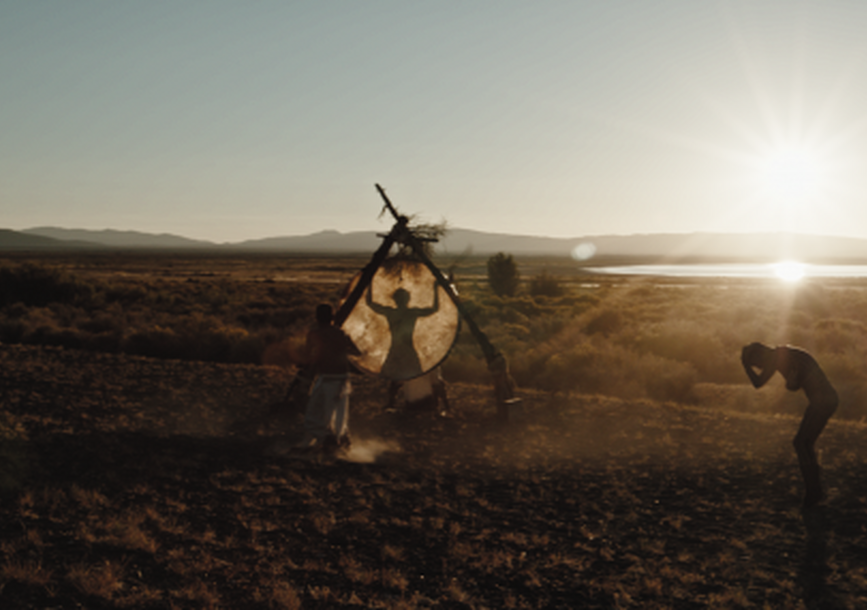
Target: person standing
(326, 417)
(801, 372)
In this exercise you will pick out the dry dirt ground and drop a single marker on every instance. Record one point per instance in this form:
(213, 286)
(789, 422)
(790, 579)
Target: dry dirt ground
(138, 483)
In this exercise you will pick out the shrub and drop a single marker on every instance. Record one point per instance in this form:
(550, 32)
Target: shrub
(606, 322)
(466, 368)
(503, 275)
(546, 285)
(669, 381)
(838, 335)
(155, 342)
(36, 285)
(691, 343)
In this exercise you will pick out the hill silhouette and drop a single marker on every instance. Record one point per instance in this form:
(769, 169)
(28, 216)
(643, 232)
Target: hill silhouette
(667, 247)
(18, 240)
(118, 239)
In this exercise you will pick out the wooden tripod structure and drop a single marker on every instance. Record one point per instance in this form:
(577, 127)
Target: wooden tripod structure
(504, 386)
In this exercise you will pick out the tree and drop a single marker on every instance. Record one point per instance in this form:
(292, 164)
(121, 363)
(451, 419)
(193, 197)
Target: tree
(503, 274)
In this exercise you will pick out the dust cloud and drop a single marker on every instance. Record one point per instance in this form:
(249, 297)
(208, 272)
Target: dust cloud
(366, 451)
(362, 451)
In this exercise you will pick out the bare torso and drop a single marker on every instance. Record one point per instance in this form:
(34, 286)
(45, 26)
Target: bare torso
(328, 349)
(803, 373)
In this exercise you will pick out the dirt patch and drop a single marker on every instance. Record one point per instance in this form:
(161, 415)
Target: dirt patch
(141, 483)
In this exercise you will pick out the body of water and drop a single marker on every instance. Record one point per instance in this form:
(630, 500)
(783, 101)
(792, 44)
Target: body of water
(784, 271)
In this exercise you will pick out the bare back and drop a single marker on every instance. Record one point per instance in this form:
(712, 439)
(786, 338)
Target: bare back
(802, 372)
(328, 349)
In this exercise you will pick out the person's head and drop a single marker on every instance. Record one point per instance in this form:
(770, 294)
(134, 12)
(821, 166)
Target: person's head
(401, 297)
(324, 314)
(758, 354)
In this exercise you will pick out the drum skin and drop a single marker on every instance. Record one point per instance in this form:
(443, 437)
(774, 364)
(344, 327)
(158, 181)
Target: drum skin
(401, 326)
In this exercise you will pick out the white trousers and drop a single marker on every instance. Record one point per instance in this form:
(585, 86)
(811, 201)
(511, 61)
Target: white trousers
(328, 407)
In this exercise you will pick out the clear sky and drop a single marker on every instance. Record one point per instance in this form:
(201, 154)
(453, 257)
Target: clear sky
(229, 121)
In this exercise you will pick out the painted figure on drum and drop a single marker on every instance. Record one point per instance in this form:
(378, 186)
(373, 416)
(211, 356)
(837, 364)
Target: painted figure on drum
(402, 361)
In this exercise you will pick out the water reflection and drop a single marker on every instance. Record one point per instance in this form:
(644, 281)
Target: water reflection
(740, 270)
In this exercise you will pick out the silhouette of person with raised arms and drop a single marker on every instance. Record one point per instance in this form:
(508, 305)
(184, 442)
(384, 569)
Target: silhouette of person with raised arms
(402, 361)
(801, 372)
(326, 418)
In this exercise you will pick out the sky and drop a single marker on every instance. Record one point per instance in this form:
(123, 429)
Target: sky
(229, 121)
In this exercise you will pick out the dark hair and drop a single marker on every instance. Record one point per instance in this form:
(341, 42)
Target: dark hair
(755, 351)
(324, 313)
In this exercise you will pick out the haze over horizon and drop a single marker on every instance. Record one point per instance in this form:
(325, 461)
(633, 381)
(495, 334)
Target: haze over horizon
(229, 122)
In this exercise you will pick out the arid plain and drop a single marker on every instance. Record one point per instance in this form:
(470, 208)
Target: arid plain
(139, 471)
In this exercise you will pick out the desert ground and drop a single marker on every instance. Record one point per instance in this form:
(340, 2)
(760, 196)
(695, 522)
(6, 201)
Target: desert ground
(132, 481)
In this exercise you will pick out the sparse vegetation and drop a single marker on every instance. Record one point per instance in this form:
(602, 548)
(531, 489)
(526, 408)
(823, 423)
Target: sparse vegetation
(546, 285)
(161, 313)
(631, 339)
(647, 473)
(648, 338)
(141, 497)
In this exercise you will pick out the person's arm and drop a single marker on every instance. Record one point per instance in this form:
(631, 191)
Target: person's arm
(429, 311)
(375, 307)
(757, 379)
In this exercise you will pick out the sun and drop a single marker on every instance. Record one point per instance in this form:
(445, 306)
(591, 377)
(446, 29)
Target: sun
(791, 174)
(789, 271)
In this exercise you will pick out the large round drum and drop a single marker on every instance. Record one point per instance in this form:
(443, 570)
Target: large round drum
(405, 324)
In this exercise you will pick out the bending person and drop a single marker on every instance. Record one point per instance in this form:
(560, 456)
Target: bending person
(801, 372)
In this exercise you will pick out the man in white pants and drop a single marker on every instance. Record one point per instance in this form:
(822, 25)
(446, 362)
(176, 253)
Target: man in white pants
(326, 419)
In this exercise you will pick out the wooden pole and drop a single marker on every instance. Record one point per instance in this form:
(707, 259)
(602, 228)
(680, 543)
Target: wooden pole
(299, 387)
(504, 385)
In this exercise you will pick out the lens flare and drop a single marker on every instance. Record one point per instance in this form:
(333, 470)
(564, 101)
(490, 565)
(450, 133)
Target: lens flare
(789, 271)
(584, 251)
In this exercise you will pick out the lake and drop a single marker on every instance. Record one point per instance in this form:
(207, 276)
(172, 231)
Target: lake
(785, 271)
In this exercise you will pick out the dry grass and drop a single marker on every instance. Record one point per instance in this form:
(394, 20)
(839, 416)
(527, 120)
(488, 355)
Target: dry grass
(102, 580)
(27, 572)
(611, 502)
(141, 492)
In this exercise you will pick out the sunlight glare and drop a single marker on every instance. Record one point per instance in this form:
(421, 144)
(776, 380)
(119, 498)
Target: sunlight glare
(789, 271)
(792, 173)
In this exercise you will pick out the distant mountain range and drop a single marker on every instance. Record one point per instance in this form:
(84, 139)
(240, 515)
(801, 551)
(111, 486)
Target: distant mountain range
(670, 247)
(110, 238)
